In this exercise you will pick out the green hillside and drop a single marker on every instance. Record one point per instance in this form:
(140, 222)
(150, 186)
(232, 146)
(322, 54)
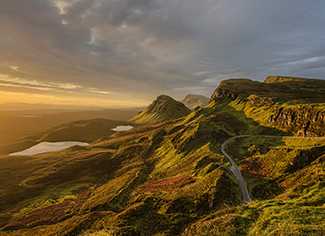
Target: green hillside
(164, 108)
(173, 178)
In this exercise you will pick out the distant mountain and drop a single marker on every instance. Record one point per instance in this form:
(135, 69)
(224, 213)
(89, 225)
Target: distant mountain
(192, 101)
(162, 109)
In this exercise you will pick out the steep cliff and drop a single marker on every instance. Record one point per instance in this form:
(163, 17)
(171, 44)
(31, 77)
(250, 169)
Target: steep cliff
(294, 105)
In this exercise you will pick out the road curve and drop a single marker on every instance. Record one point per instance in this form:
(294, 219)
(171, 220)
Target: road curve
(236, 171)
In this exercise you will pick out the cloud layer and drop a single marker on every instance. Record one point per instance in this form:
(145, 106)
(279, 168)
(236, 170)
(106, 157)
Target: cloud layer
(140, 48)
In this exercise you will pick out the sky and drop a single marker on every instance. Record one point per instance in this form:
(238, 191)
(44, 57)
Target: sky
(123, 53)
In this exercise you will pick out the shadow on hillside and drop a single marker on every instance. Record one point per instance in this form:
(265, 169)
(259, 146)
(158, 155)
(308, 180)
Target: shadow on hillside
(251, 127)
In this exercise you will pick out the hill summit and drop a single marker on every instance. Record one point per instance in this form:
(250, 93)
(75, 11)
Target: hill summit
(193, 100)
(290, 104)
(162, 109)
(287, 89)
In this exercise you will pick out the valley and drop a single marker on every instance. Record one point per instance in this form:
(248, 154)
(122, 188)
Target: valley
(251, 162)
(15, 125)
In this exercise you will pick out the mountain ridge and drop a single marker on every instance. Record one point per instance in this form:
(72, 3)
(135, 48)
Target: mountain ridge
(286, 103)
(163, 108)
(193, 101)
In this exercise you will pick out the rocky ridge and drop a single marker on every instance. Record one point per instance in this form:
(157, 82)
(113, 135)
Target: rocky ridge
(294, 105)
(193, 101)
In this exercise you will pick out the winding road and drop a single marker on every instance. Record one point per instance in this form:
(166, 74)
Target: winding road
(236, 171)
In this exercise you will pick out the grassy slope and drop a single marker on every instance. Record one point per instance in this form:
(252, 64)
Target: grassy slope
(171, 179)
(288, 189)
(165, 179)
(170, 173)
(164, 108)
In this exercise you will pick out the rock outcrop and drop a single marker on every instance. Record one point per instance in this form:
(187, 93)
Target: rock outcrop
(193, 101)
(295, 105)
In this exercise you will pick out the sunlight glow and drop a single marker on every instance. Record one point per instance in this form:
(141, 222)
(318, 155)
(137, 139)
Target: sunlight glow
(82, 101)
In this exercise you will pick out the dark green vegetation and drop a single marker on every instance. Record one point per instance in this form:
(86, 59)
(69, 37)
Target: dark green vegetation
(164, 108)
(170, 178)
(286, 180)
(193, 101)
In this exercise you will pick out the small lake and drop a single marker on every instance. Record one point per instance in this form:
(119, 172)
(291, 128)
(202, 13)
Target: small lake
(123, 128)
(48, 147)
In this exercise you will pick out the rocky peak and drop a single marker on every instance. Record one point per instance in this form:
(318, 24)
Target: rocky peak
(193, 100)
(163, 108)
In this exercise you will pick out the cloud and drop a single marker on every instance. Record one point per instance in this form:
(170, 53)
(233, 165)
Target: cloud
(16, 82)
(15, 68)
(145, 47)
(6, 79)
(97, 91)
(8, 85)
(80, 101)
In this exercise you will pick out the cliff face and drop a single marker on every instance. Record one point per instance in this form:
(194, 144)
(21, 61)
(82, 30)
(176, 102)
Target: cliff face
(286, 89)
(294, 105)
(304, 121)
